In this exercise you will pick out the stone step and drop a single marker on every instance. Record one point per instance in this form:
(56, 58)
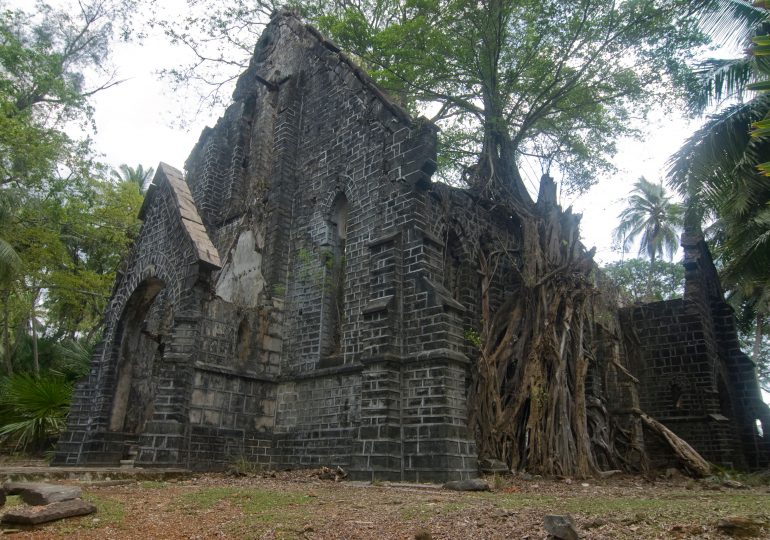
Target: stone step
(89, 474)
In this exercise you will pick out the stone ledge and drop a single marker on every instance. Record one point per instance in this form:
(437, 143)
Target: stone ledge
(222, 370)
(440, 354)
(385, 239)
(322, 372)
(377, 305)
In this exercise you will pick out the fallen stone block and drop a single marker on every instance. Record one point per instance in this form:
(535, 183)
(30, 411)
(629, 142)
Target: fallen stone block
(474, 484)
(33, 515)
(561, 527)
(493, 466)
(742, 526)
(39, 493)
(734, 484)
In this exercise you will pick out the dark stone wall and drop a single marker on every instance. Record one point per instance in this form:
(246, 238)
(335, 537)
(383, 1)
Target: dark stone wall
(264, 369)
(693, 376)
(164, 254)
(316, 292)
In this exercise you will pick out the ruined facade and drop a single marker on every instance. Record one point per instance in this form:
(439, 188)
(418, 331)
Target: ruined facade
(301, 296)
(693, 376)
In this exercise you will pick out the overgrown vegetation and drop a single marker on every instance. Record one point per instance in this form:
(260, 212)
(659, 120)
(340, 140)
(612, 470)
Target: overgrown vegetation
(643, 282)
(64, 225)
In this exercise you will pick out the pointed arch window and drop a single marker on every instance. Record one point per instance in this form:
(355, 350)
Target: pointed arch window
(334, 287)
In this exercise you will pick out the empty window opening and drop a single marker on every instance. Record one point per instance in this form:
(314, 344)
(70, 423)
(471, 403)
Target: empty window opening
(677, 396)
(334, 286)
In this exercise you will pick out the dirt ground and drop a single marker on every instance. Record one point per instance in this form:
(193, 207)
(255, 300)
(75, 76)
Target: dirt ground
(299, 505)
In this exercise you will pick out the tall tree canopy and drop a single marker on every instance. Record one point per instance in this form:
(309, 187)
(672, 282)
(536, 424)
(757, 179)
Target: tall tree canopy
(506, 81)
(633, 277)
(67, 227)
(719, 169)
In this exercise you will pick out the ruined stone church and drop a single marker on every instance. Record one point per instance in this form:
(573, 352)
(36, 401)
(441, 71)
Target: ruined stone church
(300, 297)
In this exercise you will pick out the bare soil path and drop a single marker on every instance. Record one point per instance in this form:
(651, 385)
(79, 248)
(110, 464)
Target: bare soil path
(299, 505)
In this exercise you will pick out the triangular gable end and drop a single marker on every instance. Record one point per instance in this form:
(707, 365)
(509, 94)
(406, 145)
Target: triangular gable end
(191, 220)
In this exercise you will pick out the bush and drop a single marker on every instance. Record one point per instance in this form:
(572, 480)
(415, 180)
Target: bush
(33, 410)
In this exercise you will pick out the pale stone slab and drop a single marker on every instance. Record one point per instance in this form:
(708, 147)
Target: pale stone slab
(474, 484)
(39, 493)
(33, 515)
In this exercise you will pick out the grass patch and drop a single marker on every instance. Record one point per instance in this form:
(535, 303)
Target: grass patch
(263, 509)
(258, 505)
(108, 512)
(721, 503)
(152, 484)
(659, 513)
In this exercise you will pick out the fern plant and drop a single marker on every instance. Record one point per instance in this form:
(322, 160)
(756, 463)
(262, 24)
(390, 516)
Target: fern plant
(33, 410)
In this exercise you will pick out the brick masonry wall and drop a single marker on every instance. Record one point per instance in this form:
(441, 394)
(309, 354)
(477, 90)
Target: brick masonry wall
(693, 376)
(163, 252)
(676, 369)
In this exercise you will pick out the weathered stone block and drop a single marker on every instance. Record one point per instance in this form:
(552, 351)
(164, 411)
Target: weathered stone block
(34, 515)
(38, 493)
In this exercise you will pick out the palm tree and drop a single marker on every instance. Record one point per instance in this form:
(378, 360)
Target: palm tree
(718, 170)
(651, 215)
(138, 175)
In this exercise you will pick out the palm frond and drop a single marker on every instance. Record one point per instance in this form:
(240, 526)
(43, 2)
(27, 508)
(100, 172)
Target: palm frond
(719, 79)
(33, 409)
(718, 152)
(731, 22)
(10, 262)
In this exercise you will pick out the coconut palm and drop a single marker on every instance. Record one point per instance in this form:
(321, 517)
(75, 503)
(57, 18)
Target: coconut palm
(138, 175)
(718, 171)
(652, 217)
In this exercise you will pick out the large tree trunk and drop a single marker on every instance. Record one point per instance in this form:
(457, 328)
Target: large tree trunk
(756, 349)
(6, 332)
(529, 403)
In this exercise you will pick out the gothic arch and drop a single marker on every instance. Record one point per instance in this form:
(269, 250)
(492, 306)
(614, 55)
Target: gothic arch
(137, 349)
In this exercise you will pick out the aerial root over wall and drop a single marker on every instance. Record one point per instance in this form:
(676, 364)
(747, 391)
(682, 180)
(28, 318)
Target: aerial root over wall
(530, 406)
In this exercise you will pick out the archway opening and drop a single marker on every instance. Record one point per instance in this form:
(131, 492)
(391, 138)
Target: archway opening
(139, 347)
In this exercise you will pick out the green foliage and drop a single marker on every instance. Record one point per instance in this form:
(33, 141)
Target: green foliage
(718, 171)
(137, 175)
(644, 282)
(546, 77)
(545, 81)
(473, 337)
(63, 229)
(33, 410)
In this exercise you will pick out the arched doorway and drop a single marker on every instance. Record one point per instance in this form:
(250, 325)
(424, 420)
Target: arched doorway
(139, 347)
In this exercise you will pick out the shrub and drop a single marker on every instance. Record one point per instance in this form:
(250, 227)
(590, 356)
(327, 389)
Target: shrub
(33, 410)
